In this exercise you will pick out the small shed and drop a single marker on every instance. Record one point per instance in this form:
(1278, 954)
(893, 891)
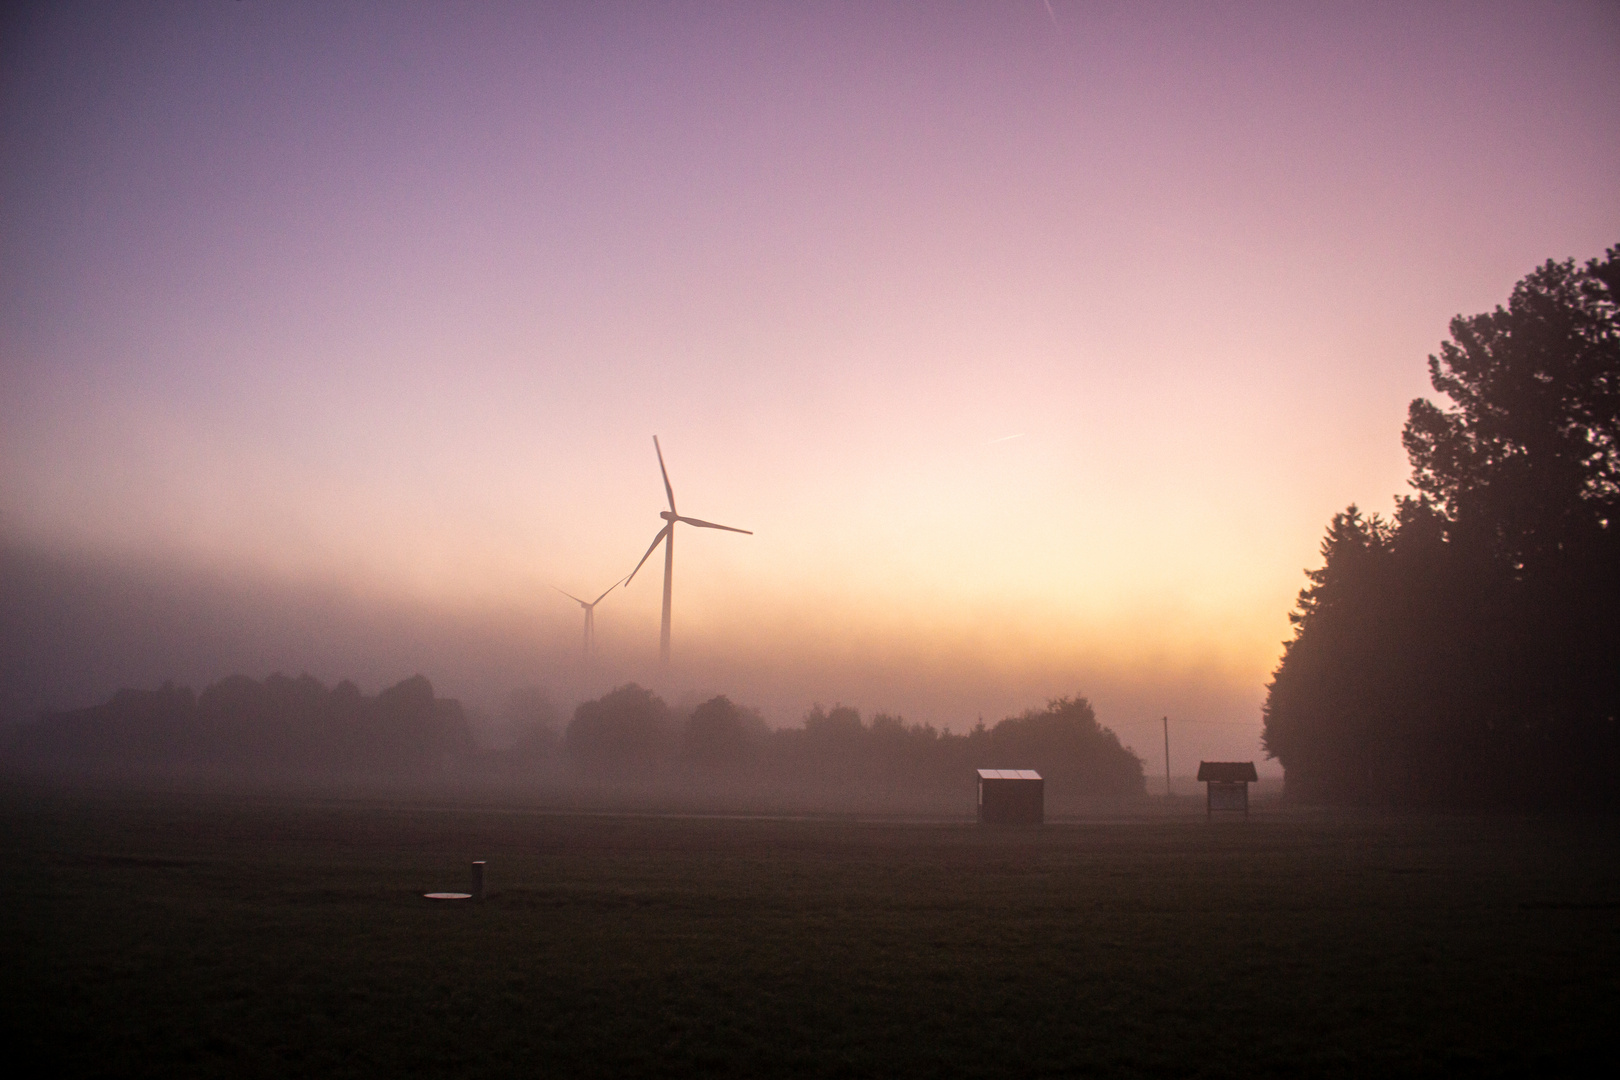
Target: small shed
(1011, 797)
(1226, 785)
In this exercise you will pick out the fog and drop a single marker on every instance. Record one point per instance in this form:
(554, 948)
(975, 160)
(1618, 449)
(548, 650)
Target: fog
(77, 626)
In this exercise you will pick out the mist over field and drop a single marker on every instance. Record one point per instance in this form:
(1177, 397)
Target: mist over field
(627, 747)
(83, 627)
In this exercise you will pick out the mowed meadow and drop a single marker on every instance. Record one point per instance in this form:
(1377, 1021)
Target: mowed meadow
(198, 933)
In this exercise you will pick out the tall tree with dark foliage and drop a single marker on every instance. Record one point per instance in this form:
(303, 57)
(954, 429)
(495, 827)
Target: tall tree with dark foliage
(1469, 651)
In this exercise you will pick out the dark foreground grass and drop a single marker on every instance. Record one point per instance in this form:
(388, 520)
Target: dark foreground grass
(199, 935)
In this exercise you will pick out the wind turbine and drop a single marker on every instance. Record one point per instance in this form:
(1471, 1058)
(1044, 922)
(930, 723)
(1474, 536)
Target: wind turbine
(590, 614)
(666, 536)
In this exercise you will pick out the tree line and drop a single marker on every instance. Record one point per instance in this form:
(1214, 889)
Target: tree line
(1466, 650)
(295, 727)
(278, 726)
(632, 728)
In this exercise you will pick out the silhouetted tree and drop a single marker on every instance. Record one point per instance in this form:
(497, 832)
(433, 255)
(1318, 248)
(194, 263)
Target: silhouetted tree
(906, 750)
(1067, 745)
(1331, 701)
(1527, 461)
(720, 733)
(134, 728)
(838, 733)
(1470, 651)
(279, 726)
(417, 729)
(627, 728)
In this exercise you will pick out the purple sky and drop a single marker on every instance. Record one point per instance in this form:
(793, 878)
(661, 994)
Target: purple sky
(388, 300)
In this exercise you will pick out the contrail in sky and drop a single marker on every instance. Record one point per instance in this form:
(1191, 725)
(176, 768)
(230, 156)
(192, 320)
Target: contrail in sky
(1005, 438)
(1050, 14)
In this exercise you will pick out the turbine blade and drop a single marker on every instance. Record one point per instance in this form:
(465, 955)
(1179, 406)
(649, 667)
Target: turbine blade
(667, 489)
(605, 591)
(570, 596)
(656, 541)
(712, 525)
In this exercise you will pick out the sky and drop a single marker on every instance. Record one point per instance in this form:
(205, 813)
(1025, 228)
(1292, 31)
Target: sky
(1036, 343)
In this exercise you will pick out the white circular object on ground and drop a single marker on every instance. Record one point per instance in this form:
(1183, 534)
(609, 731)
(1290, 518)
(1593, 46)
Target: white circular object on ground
(448, 895)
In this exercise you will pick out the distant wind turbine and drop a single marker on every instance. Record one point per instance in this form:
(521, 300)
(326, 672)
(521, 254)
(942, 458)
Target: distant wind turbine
(666, 536)
(590, 613)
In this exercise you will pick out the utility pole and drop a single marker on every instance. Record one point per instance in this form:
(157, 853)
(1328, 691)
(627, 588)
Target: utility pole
(1167, 758)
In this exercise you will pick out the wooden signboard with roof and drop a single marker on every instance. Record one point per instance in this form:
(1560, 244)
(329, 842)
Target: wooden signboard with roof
(1226, 786)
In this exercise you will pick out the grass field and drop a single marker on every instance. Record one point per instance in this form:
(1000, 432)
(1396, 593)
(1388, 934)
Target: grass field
(197, 934)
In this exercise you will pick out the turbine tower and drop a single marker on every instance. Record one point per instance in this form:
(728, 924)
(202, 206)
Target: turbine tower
(666, 536)
(590, 614)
